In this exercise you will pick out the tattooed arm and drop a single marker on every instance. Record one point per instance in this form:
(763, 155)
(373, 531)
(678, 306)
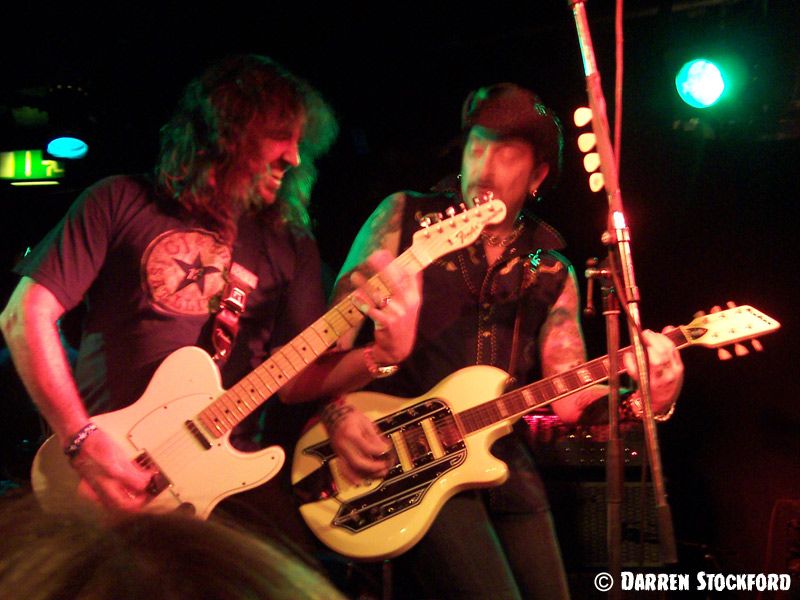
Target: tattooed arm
(381, 231)
(353, 436)
(562, 347)
(345, 369)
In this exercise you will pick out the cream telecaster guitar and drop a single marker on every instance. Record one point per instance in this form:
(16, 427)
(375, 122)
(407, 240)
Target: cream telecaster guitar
(441, 440)
(180, 427)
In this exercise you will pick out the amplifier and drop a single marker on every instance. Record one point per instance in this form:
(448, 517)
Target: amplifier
(555, 444)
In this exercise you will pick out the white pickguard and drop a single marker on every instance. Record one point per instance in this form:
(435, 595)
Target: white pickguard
(185, 383)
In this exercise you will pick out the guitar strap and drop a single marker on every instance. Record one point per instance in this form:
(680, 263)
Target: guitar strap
(512, 361)
(240, 282)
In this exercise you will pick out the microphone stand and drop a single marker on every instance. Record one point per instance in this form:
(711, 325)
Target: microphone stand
(617, 238)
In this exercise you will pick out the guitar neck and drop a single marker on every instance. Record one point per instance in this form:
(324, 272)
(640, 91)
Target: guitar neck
(238, 402)
(536, 395)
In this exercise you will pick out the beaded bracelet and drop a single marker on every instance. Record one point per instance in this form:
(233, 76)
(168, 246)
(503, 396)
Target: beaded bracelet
(74, 446)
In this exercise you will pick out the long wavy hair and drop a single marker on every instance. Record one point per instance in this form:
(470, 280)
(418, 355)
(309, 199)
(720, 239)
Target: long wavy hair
(210, 150)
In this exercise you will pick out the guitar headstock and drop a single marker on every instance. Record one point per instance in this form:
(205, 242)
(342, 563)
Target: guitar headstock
(458, 230)
(731, 326)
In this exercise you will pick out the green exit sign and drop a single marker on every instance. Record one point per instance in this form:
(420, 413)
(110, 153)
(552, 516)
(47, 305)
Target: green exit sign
(28, 167)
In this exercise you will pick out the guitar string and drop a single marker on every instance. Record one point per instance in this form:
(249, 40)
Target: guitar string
(183, 439)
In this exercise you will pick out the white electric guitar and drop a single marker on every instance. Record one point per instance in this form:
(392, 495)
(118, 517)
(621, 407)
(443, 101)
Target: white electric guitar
(441, 443)
(180, 427)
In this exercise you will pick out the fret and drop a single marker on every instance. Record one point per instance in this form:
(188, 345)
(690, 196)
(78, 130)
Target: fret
(280, 368)
(245, 395)
(584, 375)
(572, 381)
(502, 408)
(291, 354)
(265, 377)
(559, 384)
(305, 351)
(314, 342)
(348, 311)
(598, 370)
(325, 331)
(336, 323)
(530, 397)
(319, 339)
(228, 406)
(380, 286)
(211, 425)
(213, 422)
(240, 403)
(515, 402)
(218, 410)
(546, 390)
(262, 392)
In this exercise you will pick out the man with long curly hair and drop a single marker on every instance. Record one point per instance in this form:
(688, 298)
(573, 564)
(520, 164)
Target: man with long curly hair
(151, 258)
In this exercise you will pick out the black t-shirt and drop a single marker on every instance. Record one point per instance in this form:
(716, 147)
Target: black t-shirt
(146, 278)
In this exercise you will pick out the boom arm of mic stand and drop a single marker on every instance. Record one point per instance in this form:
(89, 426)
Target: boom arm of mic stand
(618, 235)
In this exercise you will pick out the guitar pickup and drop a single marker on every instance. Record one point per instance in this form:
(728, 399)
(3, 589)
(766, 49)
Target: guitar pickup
(158, 481)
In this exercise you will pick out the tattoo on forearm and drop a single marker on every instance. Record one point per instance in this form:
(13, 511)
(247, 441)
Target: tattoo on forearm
(333, 414)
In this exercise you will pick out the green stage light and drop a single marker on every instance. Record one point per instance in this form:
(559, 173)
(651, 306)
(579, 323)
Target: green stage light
(700, 83)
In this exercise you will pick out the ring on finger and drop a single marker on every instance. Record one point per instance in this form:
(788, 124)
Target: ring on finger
(384, 302)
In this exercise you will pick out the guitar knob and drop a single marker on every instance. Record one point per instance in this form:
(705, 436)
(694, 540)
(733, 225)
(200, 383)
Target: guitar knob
(699, 313)
(716, 309)
(740, 350)
(757, 345)
(730, 304)
(724, 354)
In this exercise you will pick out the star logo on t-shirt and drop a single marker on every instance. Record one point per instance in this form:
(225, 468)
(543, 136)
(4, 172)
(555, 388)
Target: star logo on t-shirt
(195, 273)
(178, 258)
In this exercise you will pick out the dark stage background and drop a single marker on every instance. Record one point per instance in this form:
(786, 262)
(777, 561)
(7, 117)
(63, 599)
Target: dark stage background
(711, 211)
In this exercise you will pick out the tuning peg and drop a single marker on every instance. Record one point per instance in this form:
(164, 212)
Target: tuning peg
(715, 309)
(485, 197)
(699, 313)
(757, 345)
(425, 223)
(730, 304)
(740, 350)
(450, 211)
(724, 354)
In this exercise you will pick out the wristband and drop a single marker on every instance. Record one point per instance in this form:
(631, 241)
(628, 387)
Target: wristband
(635, 404)
(377, 371)
(74, 446)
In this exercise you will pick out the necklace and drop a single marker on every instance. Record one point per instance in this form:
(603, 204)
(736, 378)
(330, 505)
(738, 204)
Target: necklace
(495, 240)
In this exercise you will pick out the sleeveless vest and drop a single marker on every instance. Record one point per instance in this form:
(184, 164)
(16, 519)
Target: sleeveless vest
(469, 309)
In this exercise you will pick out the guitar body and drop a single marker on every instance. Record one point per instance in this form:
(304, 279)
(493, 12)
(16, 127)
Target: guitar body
(381, 519)
(440, 443)
(191, 475)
